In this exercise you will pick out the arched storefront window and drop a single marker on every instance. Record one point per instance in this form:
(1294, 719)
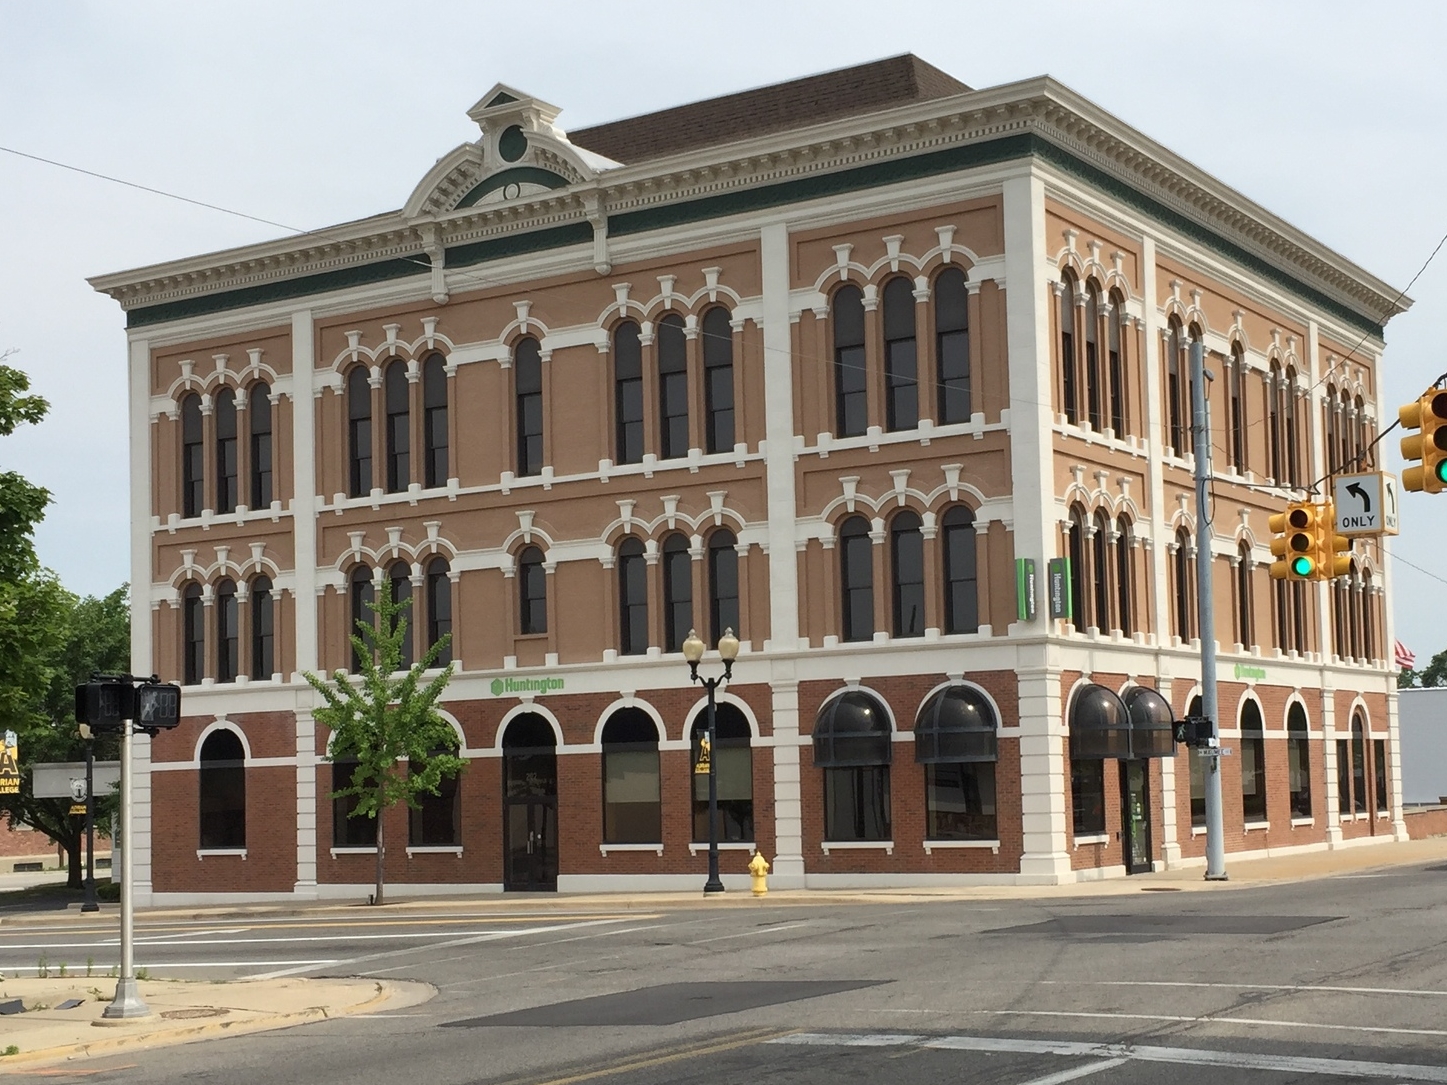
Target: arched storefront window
(349, 831)
(852, 746)
(733, 771)
(1298, 753)
(632, 811)
(956, 739)
(436, 822)
(1253, 763)
(222, 780)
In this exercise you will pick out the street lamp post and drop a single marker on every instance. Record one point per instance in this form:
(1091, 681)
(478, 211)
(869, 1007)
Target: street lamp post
(728, 651)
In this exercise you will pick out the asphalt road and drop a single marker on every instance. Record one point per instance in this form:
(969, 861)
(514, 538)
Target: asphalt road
(1342, 979)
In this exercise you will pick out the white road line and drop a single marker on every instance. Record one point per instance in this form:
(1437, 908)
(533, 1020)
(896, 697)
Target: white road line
(1217, 1020)
(530, 945)
(1114, 1053)
(1252, 987)
(747, 934)
(1076, 1072)
(193, 941)
(163, 965)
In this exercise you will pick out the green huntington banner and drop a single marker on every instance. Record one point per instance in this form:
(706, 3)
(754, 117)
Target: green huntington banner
(503, 686)
(1245, 671)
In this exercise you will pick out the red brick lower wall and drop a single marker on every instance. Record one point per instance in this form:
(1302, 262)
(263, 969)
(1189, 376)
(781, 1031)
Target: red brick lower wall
(1425, 821)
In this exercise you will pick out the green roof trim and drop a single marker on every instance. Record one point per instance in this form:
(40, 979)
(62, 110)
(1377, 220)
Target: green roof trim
(517, 175)
(555, 237)
(502, 97)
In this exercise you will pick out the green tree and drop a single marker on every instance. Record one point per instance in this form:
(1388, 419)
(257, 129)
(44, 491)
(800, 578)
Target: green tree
(55, 640)
(22, 504)
(386, 720)
(1435, 672)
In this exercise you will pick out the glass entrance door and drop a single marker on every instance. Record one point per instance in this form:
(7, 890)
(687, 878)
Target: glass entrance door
(1136, 815)
(530, 820)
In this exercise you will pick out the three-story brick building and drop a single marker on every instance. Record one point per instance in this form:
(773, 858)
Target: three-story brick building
(825, 363)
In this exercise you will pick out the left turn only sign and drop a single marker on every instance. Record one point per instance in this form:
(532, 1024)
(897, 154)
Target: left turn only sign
(1366, 504)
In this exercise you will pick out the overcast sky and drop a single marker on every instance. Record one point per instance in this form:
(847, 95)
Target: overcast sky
(1329, 114)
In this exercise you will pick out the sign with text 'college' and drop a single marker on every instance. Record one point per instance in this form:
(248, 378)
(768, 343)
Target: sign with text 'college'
(1366, 504)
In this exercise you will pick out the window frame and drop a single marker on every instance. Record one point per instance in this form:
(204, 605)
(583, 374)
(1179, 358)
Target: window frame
(193, 456)
(718, 380)
(259, 423)
(901, 355)
(435, 438)
(952, 347)
(527, 368)
(359, 432)
(532, 579)
(632, 606)
(221, 825)
(907, 584)
(397, 412)
(855, 545)
(628, 431)
(263, 628)
(851, 402)
(225, 427)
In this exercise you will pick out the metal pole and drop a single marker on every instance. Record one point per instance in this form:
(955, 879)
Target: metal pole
(90, 904)
(127, 1002)
(714, 883)
(1201, 441)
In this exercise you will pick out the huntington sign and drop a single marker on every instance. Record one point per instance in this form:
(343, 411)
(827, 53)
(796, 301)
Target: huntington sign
(501, 687)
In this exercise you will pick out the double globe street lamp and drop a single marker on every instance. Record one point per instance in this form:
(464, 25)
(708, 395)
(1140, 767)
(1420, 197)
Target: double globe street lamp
(728, 651)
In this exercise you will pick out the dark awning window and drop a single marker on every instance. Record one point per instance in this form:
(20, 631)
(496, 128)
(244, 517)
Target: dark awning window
(852, 729)
(1152, 723)
(1099, 725)
(956, 724)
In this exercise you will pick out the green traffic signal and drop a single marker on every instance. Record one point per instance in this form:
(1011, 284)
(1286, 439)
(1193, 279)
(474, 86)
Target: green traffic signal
(1301, 565)
(1441, 471)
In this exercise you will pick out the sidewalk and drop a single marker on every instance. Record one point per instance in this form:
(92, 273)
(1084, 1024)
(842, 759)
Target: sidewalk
(180, 1012)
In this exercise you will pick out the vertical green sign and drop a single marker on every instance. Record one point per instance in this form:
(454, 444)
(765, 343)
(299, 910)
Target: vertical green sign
(1057, 572)
(1025, 589)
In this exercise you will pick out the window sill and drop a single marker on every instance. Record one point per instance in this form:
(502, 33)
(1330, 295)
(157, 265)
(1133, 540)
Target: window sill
(732, 845)
(1302, 823)
(655, 848)
(435, 849)
(201, 853)
(1092, 838)
(931, 845)
(1383, 814)
(1198, 830)
(354, 851)
(1255, 826)
(887, 846)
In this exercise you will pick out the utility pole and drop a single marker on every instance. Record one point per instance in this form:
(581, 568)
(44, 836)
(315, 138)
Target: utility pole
(1201, 440)
(128, 1002)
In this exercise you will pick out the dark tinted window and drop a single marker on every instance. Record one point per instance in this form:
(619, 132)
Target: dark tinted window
(225, 421)
(193, 618)
(348, 831)
(962, 611)
(723, 584)
(906, 544)
(439, 608)
(632, 598)
(223, 791)
(677, 591)
(528, 373)
(362, 595)
(532, 592)
(259, 409)
(193, 457)
(901, 356)
(263, 630)
(359, 432)
(1253, 763)
(851, 403)
(400, 586)
(1298, 753)
(718, 379)
(733, 773)
(227, 632)
(399, 430)
(628, 392)
(952, 345)
(856, 568)
(632, 811)
(672, 388)
(437, 820)
(434, 420)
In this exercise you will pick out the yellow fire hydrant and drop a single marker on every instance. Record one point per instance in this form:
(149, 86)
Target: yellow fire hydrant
(759, 872)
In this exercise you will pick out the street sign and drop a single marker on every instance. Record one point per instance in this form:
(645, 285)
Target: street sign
(57, 779)
(1214, 751)
(1366, 504)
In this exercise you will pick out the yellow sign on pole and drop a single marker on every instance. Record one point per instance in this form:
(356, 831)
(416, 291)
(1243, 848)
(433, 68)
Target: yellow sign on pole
(705, 753)
(10, 765)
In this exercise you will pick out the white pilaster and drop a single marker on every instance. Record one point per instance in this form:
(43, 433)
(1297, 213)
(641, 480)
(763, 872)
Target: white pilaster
(304, 491)
(779, 432)
(1328, 757)
(1155, 434)
(788, 860)
(1170, 832)
(138, 851)
(306, 805)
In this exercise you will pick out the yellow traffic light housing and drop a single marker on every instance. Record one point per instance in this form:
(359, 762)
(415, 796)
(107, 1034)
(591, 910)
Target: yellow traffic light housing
(1429, 415)
(1333, 551)
(1294, 541)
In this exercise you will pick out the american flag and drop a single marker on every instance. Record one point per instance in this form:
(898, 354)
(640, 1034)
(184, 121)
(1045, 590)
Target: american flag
(1405, 658)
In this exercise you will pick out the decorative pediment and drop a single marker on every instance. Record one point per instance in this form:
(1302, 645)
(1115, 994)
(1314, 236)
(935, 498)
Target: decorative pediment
(520, 155)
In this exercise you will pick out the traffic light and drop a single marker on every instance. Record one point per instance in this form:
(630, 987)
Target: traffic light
(1428, 414)
(107, 702)
(1294, 541)
(1333, 551)
(1194, 731)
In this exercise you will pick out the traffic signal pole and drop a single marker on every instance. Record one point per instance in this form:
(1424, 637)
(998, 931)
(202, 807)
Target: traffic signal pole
(127, 1003)
(1201, 437)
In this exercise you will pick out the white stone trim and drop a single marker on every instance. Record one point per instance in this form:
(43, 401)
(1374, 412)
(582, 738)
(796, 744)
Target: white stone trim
(604, 849)
(828, 846)
(434, 849)
(930, 846)
(202, 853)
(696, 848)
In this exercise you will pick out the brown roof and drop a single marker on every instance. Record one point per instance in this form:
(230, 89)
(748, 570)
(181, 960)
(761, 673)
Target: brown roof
(864, 88)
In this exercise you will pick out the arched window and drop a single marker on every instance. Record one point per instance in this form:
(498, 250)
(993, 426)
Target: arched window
(723, 584)
(1331, 409)
(362, 595)
(632, 812)
(434, 421)
(1347, 432)
(1369, 625)
(226, 496)
(677, 591)
(528, 379)
(399, 578)
(718, 380)
(1183, 585)
(1199, 769)
(1124, 544)
(901, 356)
(1176, 387)
(906, 552)
(1288, 412)
(1245, 598)
(733, 773)
(1116, 331)
(193, 664)
(632, 598)
(439, 608)
(1076, 544)
(1359, 763)
(259, 409)
(1099, 726)
(532, 592)
(852, 745)
(1069, 395)
(1253, 763)
(952, 346)
(628, 392)
(955, 738)
(349, 831)
(193, 457)
(1379, 773)
(222, 780)
(1100, 570)
(1298, 757)
(851, 401)
(1352, 598)
(359, 432)
(436, 821)
(1092, 355)
(227, 632)
(399, 429)
(1341, 617)
(962, 598)
(1275, 431)
(672, 388)
(1367, 455)
(263, 630)
(856, 570)
(1236, 413)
